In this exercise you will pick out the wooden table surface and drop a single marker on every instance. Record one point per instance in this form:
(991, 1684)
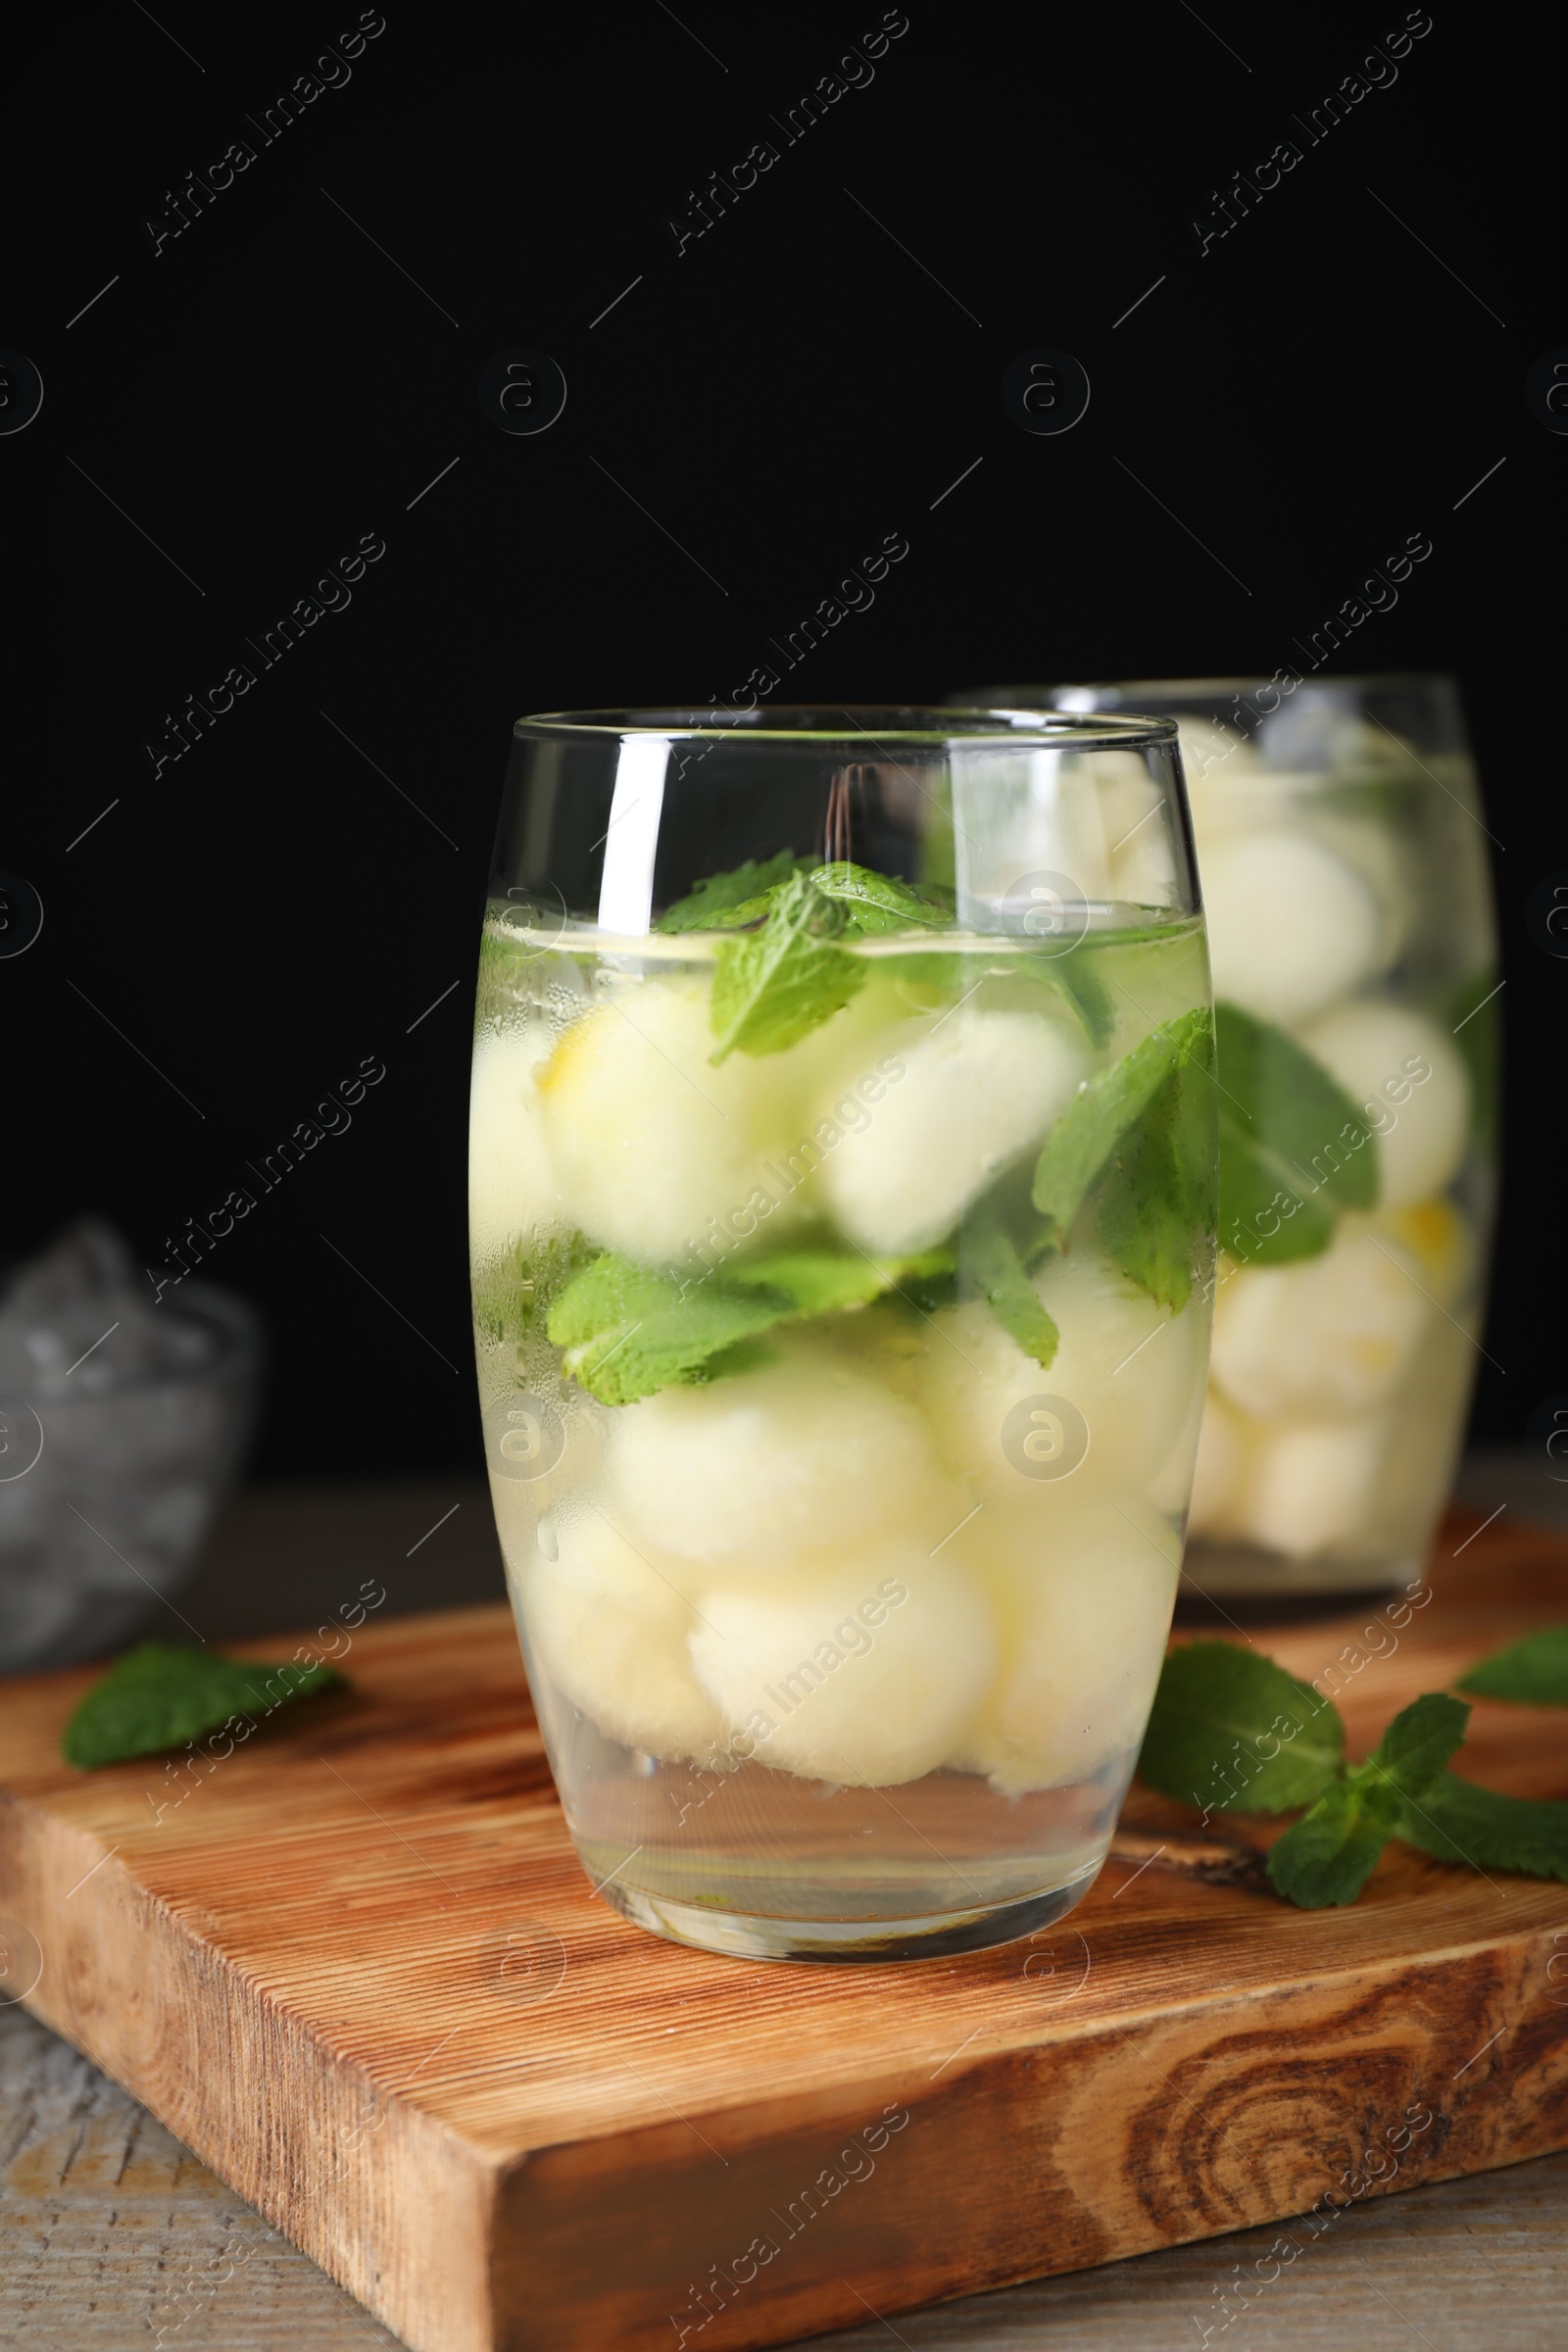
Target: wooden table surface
(112, 2235)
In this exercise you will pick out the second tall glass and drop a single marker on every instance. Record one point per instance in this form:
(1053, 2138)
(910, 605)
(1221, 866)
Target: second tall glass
(843, 1161)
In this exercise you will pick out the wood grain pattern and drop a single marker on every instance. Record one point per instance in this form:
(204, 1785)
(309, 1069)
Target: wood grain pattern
(112, 2234)
(304, 1972)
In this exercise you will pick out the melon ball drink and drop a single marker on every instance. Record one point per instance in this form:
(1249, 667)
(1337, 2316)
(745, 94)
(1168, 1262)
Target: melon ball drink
(1346, 880)
(843, 1163)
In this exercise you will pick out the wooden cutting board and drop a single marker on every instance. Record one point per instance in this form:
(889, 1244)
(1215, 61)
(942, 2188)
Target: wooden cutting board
(362, 1973)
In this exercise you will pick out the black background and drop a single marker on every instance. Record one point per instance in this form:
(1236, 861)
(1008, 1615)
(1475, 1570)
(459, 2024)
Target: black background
(271, 385)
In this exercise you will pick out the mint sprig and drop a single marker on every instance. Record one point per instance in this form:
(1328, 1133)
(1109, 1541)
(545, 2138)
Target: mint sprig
(1230, 1731)
(772, 987)
(1533, 1671)
(714, 903)
(1083, 1139)
(1330, 1853)
(1458, 1820)
(162, 1694)
(1294, 1149)
(877, 904)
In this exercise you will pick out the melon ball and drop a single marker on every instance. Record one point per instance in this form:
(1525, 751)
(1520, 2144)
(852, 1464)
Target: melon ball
(1290, 926)
(609, 1625)
(511, 1189)
(1131, 1368)
(1220, 1467)
(648, 1141)
(753, 1470)
(974, 1088)
(860, 1674)
(1334, 1334)
(1083, 1620)
(1440, 1239)
(1312, 1485)
(1407, 1076)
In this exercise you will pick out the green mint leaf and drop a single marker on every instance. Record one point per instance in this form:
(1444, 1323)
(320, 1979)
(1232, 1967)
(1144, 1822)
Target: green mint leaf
(721, 894)
(1294, 1149)
(1084, 988)
(1156, 1198)
(1417, 1744)
(627, 1332)
(1230, 1732)
(818, 1282)
(1459, 1822)
(772, 987)
(877, 904)
(160, 1694)
(1328, 1856)
(1089, 1130)
(1533, 1671)
(993, 1266)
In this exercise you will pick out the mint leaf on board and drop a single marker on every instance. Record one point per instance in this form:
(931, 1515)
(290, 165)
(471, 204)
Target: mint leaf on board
(163, 1694)
(1328, 1856)
(1089, 1130)
(993, 1266)
(1417, 1743)
(1294, 1149)
(1231, 1732)
(718, 896)
(1533, 1671)
(1456, 1821)
(772, 987)
(876, 903)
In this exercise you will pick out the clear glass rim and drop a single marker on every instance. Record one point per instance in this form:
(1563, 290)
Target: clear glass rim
(1246, 680)
(880, 724)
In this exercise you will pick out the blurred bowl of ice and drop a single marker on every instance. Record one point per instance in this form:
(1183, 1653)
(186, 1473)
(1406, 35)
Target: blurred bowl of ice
(121, 1424)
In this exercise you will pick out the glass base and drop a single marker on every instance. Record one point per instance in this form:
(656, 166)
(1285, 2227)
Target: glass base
(754, 1935)
(1246, 1572)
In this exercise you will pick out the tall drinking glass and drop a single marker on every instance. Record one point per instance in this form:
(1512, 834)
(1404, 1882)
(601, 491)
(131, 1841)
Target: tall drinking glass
(842, 1177)
(1344, 853)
